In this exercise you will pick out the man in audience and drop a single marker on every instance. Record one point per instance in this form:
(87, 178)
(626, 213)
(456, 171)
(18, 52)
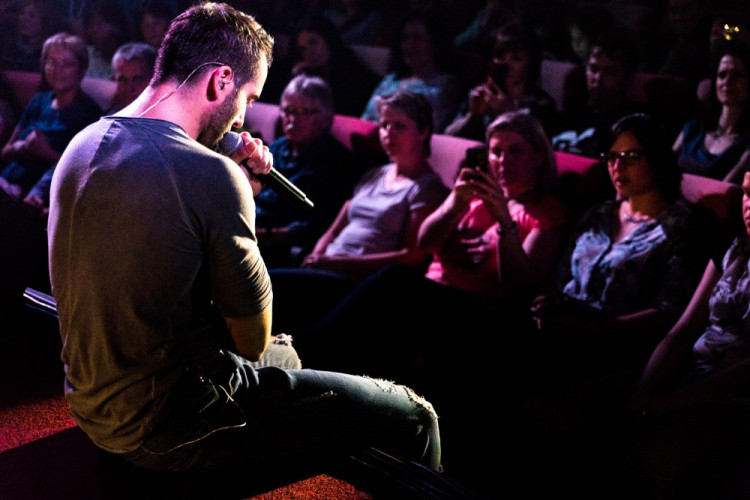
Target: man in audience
(609, 70)
(163, 297)
(314, 161)
(132, 67)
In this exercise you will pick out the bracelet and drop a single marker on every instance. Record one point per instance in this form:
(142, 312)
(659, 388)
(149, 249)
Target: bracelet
(512, 229)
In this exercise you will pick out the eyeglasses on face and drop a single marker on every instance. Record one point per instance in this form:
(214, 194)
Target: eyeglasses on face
(291, 110)
(626, 157)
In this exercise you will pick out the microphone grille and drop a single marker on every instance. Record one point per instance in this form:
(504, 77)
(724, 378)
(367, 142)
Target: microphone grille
(231, 142)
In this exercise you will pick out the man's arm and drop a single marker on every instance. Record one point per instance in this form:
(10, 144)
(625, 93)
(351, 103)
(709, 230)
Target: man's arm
(251, 334)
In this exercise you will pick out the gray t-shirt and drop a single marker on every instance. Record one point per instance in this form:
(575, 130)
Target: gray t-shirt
(378, 215)
(151, 241)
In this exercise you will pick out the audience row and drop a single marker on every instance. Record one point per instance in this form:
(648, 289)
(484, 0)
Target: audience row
(497, 264)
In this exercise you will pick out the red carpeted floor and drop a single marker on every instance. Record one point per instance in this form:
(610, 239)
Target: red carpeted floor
(44, 455)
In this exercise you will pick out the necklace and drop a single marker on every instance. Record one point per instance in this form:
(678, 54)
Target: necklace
(636, 219)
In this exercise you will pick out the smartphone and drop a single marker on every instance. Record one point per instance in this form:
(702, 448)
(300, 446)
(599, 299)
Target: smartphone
(498, 72)
(476, 157)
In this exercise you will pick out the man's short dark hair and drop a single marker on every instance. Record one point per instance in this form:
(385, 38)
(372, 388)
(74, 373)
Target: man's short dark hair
(212, 33)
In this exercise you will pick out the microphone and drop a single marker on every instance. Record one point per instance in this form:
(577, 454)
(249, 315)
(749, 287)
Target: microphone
(232, 141)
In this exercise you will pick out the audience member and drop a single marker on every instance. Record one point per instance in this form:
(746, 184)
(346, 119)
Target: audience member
(159, 340)
(512, 84)
(668, 431)
(51, 118)
(317, 50)
(609, 71)
(104, 30)
(30, 23)
(132, 68)
(378, 225)
(631, 266)
(312, 160)
(419, 58)
(720, 148)
(691, 401)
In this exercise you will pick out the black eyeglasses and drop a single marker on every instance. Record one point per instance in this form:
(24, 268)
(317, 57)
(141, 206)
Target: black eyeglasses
(626, 157)
(291, 110)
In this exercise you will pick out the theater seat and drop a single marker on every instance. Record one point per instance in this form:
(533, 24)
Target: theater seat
(263, 120)
(447, 153)
(582, 181)
(723, 199)
(671, 98)
(362, 139)
(25, 84)
(565, 82)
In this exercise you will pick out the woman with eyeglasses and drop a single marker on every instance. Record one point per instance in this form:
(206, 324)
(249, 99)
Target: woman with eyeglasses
(51, 118)
(632, 264)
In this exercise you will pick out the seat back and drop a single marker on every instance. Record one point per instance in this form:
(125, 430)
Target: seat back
(582, 182)
(263, 120)
(565, 82)
(447, 154)
(723, 199)
(362, 139)
(671, 98)
(25, 84)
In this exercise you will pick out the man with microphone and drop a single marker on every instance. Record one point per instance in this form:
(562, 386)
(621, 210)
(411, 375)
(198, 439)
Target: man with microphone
(163, 297)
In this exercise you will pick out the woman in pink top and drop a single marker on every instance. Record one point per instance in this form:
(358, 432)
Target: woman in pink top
(501, 229)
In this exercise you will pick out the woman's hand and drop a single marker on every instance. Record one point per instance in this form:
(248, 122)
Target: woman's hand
(465, 252)
(314, 261)
(36, 206)
(477, 101)
(484, 185)
(496, 100)
(560, 312)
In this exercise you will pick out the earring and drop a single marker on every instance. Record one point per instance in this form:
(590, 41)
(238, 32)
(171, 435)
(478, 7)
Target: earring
(221, 84)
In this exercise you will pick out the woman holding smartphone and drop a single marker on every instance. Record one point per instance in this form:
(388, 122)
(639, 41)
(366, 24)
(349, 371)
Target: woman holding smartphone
(500, 229)
(512, 84)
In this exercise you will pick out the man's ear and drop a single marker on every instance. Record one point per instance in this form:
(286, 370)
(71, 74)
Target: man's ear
(218, 81)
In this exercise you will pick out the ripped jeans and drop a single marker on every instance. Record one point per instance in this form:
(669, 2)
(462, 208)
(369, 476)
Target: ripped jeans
(247, 415)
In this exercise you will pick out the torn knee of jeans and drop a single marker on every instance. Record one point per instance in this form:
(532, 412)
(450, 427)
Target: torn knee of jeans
(390, 386)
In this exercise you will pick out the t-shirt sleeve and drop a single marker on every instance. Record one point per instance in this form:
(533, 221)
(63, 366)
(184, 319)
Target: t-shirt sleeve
(428, 192)
(239, 279)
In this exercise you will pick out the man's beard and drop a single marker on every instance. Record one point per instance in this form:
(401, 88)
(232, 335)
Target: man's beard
(218, 124)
